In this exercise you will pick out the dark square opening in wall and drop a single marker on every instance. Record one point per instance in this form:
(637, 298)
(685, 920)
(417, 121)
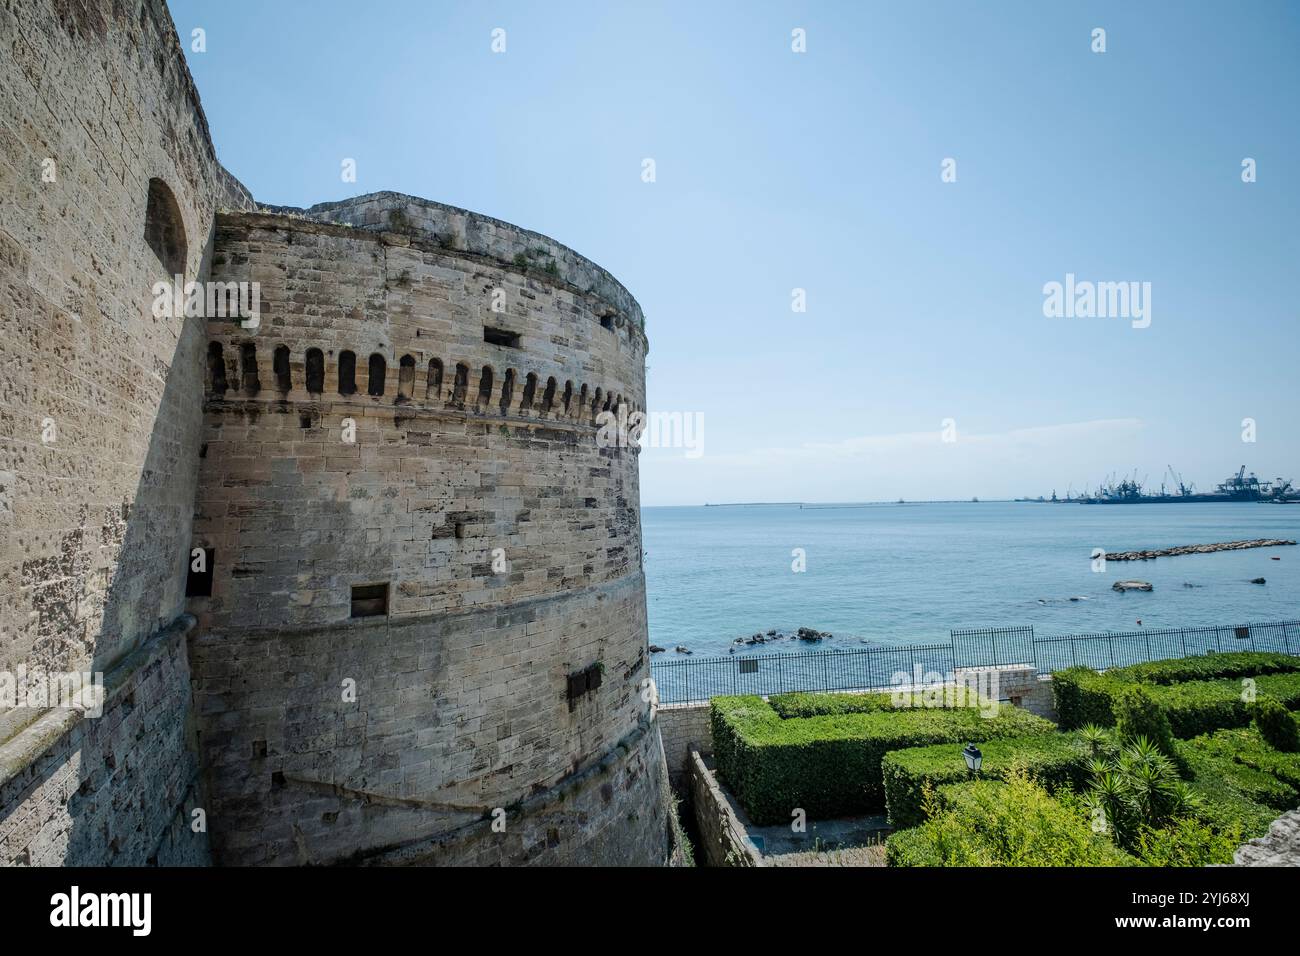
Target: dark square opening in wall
(576, 686)
(198, 583)
(500, 337)
(369, 600)
(607, 322)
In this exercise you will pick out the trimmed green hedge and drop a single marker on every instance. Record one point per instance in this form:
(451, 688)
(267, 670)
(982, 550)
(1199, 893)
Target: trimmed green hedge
(1209, 667)
(791, 706)
(1052, 760)
(831, 765)
(990, 823)
(1084, 696)
(1241, 779)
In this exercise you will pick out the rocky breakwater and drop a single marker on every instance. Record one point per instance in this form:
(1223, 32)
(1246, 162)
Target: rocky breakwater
(1197, 549)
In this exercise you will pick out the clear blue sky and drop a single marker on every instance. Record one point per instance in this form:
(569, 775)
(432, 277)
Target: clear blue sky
(821, 170)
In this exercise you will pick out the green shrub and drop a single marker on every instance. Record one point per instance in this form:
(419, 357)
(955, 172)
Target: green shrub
(1193, 707)
(1275, 724)
(1084, 697)
(1241, 780)
(1201, 707)
(1187, 842)
(1052, 760)
(1248, 748)
(1137, 788)
(790, 706)
(991, 823)
(1139, 717)
(831, 765)
(1208, 667)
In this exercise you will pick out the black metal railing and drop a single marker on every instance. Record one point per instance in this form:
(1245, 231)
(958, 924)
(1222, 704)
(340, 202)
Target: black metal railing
(690, 680)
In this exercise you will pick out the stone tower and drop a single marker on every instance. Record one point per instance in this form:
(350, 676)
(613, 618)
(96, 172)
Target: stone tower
(427, 598)
(363, 585)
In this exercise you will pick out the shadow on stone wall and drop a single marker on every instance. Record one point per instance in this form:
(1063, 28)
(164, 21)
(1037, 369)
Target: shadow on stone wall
(116, 789)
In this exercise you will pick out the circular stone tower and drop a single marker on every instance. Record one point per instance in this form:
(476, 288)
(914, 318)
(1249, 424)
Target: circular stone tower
(421, 607)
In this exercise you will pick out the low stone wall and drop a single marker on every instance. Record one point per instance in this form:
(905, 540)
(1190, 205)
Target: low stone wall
(721, 836)
(1279, 847)
(115, 790)
(1021, 684)
(684, 727)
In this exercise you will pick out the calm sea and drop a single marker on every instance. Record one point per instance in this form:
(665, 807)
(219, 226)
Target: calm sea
(894, 574)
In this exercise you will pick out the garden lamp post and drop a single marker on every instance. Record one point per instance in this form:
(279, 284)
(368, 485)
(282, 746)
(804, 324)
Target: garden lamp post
(973, 759)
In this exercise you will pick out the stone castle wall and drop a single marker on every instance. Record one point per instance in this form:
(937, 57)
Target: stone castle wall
(95, 103)
(476, 688)
(464, 451)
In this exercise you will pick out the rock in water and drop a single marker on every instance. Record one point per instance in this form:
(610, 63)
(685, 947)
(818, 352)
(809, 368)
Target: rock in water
(1132, 586)
(1258, 581)
(656, 649)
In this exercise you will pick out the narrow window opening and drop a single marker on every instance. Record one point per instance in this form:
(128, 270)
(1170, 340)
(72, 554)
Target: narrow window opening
(460, 386)
(378, 368)
(507, 390)
(607, 322)
(568, 398)
(315, 371)
(406, 379)
(347, 373)
(217, 368)
(249, 381)
(548, 396)
(433, 388)
(485, 386)
(280, 366)
(530, 389)
(163, 229)
(501, 337)
(370, 600)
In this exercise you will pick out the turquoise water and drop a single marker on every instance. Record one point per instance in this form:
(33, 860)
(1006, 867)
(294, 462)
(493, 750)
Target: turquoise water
(894, 574)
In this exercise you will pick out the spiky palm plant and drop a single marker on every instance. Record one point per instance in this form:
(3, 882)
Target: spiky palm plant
(1094, 737)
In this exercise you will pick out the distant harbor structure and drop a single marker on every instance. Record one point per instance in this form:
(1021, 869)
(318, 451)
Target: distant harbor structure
(1236, 487)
